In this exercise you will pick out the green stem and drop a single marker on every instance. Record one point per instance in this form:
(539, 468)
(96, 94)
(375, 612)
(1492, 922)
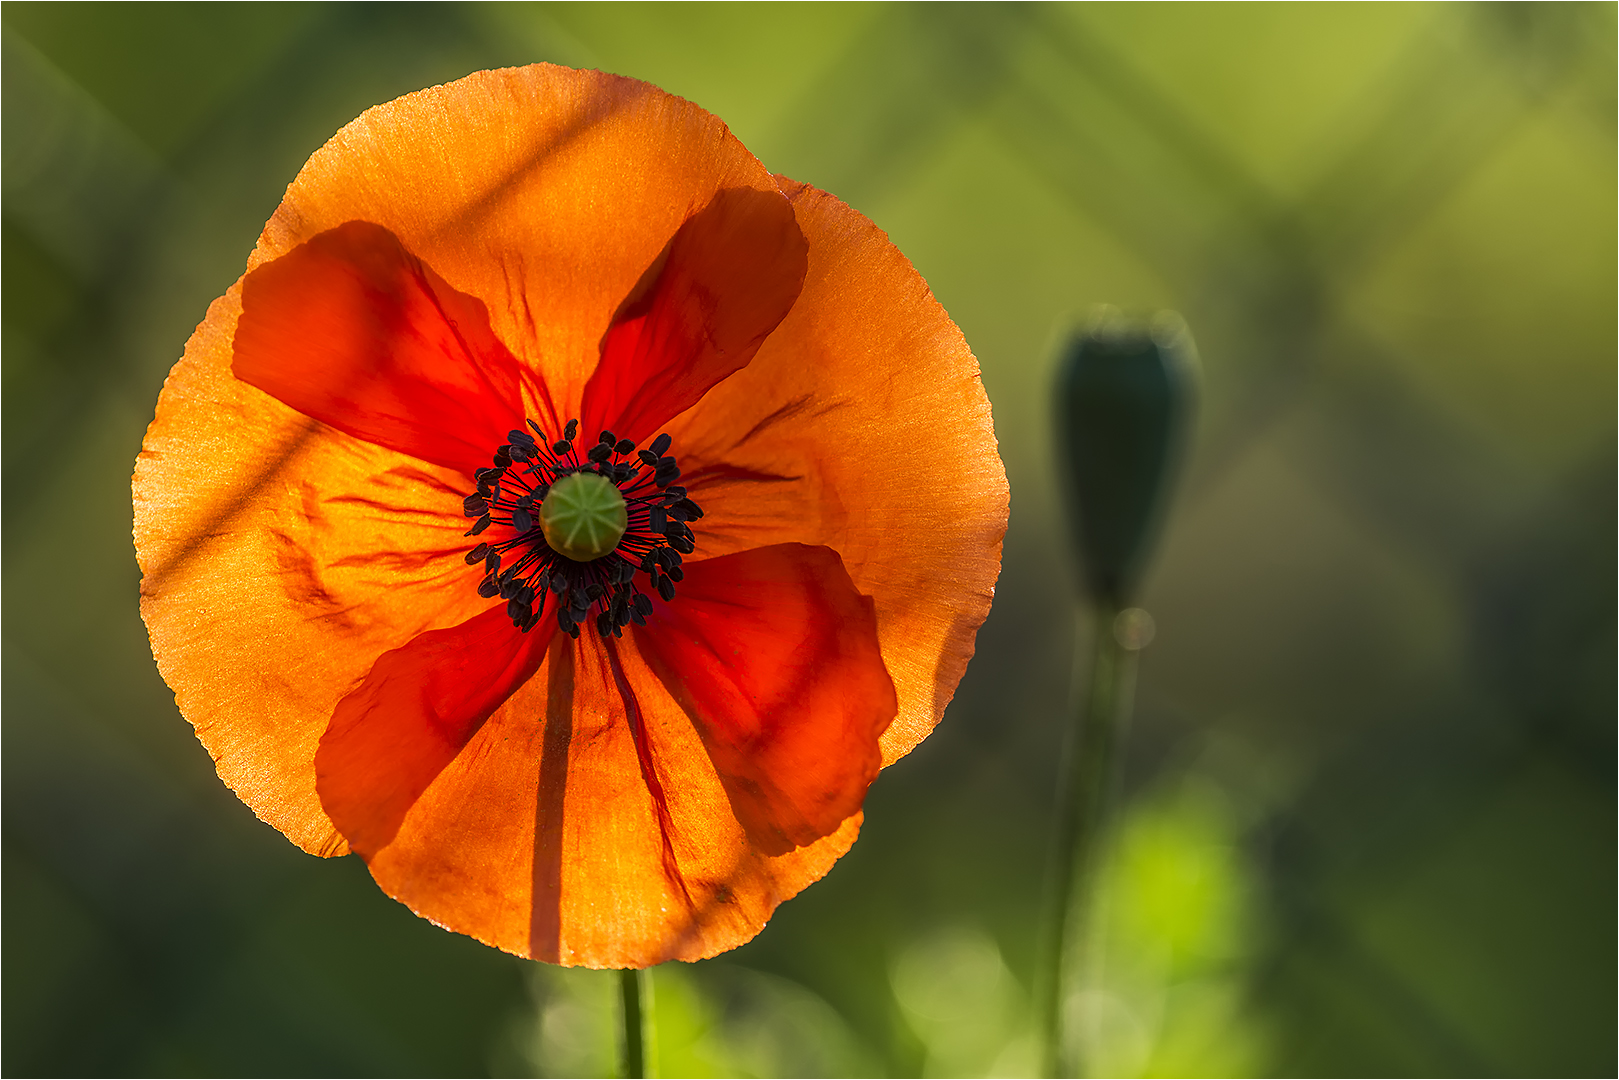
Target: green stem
(1082, 805)
(635, 995)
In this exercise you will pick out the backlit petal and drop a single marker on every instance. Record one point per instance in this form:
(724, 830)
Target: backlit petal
(418, 706)
(544, 838)
(726, 281)
(544, 192)
(351, 329)
(774, 656)
(280, 559)
(862, 425)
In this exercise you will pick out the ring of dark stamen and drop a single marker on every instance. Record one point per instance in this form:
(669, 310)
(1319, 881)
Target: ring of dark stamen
(522, 567)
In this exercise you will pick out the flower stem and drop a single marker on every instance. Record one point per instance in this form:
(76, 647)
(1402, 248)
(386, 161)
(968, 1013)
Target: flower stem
(635, 995)
(1085, 789)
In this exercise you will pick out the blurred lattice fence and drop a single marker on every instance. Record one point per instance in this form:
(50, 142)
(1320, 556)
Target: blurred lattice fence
(1370, 818)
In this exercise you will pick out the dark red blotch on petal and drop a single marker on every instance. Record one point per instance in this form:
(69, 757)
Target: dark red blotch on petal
(774, 656)
(726, 279)
(355, 331)
(412, 715)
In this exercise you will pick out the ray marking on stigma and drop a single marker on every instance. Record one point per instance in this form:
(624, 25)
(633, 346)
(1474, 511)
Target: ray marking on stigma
(653, 536)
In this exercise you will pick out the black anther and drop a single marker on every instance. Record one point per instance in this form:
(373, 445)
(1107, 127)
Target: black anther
(604, 591)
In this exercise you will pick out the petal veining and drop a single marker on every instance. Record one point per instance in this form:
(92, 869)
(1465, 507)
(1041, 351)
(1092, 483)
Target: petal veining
(862, 425)
(700, 313)
(774, 656)
(353, 330)
(418, 707)
(543, 191)
(280, 559)
(542, 836)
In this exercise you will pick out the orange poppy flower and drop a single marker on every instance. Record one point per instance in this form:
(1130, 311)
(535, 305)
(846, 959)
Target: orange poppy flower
(734, 501)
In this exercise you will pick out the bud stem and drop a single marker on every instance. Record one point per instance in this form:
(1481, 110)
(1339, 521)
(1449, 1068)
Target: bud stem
(1085, 791)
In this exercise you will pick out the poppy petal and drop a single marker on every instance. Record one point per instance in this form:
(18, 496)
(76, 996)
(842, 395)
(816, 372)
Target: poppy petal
(543, 836)
(726, 280)
(418, 706)
(543, 191)
(280, 559)
(774, 656)
(353, 330)
(862, 424)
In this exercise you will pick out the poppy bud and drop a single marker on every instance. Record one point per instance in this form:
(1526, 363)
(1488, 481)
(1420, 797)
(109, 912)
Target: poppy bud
(1125, 398)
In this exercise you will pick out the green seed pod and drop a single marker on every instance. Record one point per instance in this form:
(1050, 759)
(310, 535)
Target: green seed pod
(583, 517)
(1125, 398)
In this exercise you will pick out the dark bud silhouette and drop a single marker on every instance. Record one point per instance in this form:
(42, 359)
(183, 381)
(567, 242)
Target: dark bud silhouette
(1126, 394)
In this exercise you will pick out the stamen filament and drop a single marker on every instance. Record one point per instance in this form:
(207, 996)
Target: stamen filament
(656, 530)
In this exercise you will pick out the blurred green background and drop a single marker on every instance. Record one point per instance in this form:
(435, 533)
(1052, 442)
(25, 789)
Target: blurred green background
(1368, 815)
